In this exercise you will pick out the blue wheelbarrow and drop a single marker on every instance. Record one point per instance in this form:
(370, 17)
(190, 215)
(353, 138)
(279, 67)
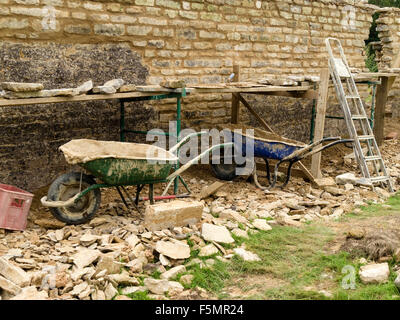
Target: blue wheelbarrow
(268, 146)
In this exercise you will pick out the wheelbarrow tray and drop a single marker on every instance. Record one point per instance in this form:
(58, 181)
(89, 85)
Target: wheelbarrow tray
(266, 145)
(120, 163)
(127, 171)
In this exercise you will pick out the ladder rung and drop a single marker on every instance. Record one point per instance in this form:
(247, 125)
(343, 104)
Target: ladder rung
(372, 158)
(359, 117)
(366, 137)
(379, 179)
(352, 97)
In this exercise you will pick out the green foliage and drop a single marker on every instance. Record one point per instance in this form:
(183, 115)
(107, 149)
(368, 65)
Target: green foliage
(386, 3)
(370, 62)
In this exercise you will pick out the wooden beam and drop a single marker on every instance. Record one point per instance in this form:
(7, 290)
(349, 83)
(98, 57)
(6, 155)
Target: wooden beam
(382, 92)
(320, 121)
(235, 113)
(253, 112)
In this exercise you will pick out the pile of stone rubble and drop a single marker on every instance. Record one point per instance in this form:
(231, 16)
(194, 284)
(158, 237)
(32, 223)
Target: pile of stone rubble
(21, 90)
(118, 254)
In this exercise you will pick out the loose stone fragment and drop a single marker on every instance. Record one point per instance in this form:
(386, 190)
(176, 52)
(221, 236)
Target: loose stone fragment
(21, 86)
(211, 232)
(246, 255)
(374, 273)
(262, 224)
(174, 250)
(173, 84)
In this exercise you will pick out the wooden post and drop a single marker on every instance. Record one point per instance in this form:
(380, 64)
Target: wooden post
(235, 99)
(381, 99)
(320, 121)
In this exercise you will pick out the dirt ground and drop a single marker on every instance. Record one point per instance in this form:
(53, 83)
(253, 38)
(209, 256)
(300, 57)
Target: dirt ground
(242, 195)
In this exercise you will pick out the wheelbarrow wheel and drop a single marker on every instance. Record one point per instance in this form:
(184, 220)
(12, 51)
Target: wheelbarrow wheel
(67, 186)
(224, 171)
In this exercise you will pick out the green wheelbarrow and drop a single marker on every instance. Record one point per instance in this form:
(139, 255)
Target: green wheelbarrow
(75, 197)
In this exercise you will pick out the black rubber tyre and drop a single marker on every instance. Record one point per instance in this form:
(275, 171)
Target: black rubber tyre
(223, 171)
(67, 186)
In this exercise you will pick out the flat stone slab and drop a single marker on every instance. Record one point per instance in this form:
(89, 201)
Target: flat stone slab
(246, 255)
(104, 89)
(85, 257)
(161, 286)
(211, 232)
(67, 92)
(208, 250)
(127, 88)
(13, 273)
(173, 272)
(174, 250)
(173, 84)
(9, 286)
(262, 224)
(21, 86)
(31, 293)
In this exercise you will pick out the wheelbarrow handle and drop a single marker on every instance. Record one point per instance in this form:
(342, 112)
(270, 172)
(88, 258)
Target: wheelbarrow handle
(58, 204)
(301, 152)
(173, 175)
(185, 140)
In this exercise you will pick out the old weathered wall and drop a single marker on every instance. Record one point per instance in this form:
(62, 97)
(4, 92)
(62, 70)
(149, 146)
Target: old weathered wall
(197, 40)
(388, 27)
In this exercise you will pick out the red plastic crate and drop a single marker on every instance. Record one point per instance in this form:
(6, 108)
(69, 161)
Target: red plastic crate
(14, 207)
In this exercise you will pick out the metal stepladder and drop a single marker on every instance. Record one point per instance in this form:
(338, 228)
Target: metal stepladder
(355, 115)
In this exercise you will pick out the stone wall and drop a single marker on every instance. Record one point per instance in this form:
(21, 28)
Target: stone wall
(197, 40)
(388, 26)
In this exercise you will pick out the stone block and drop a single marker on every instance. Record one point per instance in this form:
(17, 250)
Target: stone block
(172, 214)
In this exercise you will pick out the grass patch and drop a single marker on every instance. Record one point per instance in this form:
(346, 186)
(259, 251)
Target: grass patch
(139, 295)
(211, 279)
(297, 256)
(375, 210)
(286, 252)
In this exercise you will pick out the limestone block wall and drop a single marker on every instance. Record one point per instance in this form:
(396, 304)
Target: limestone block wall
(388, 27)
(197, 40)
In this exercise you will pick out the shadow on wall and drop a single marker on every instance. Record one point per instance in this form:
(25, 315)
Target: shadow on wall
(31, 135)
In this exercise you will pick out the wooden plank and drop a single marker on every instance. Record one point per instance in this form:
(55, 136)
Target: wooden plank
(91, 97)
(253, 112)
(320, 121)
(381, 99)
(235, 108)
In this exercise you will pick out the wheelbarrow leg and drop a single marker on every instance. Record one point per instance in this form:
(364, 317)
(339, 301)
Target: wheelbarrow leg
(130, 198)
(268, 171)
(288, 174)
(151, 193)
(123, 199)
(275, 175)
(139, 188)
